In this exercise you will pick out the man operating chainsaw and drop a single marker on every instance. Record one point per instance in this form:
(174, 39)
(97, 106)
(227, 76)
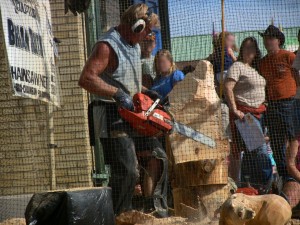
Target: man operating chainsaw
(113, 73)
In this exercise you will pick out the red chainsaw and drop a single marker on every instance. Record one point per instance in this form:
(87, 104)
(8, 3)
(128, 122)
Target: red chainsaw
(149, 118)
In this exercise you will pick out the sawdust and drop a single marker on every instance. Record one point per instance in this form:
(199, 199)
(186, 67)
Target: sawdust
(139, 218)
(133, 217)
(14, 221)
(142, 219)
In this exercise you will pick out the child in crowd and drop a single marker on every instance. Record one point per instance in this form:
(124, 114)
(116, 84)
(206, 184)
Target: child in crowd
(270, 152)
(167, 76)
(147, 47)
(229, 56)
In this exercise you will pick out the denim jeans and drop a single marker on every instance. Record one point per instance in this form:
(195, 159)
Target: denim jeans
(296, 117)
(279, 118)
(257, 166)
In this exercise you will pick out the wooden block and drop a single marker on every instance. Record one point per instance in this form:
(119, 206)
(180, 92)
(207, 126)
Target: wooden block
(187, 150)
(195, 173)
(203, 172)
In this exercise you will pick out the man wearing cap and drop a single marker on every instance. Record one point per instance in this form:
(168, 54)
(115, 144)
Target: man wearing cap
(113, 74)
(147, 47)
(276, 68)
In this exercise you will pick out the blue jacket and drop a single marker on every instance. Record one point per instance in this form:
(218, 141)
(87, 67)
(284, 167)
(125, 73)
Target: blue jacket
(164, 85)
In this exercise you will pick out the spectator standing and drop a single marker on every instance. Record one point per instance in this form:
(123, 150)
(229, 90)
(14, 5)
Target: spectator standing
(216, 57)
(229, 58)
(147, 47)
(245, 92)
(276, 68)
(292, 186)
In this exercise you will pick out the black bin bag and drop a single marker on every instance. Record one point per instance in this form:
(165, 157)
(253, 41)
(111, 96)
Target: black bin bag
(89, 206)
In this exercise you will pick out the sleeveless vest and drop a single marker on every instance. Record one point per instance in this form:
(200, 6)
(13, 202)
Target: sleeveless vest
(128, 74)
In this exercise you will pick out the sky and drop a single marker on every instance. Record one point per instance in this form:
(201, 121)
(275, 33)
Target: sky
(196, 17)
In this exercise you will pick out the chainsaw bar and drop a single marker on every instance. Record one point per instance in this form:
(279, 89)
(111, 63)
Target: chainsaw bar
(195, 135)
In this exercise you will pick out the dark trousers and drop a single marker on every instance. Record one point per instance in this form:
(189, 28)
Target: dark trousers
(257, 166)
(281, 128)
(120, 153)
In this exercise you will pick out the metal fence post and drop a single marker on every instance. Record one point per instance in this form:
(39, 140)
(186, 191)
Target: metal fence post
(165, 24)
(93, 30)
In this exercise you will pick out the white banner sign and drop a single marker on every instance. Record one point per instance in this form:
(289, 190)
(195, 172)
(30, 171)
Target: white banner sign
(27, 29)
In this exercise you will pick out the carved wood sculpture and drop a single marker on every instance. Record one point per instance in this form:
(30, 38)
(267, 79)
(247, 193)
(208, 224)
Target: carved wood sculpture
(194, 102)
(242, 209)
(198, 172)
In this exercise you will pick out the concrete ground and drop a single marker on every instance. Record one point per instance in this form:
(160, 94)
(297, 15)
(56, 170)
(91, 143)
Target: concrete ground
(13, 206)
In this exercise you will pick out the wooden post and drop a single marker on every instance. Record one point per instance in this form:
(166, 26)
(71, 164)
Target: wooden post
(165, 24)
(223, 48)
(94, 25)
(51, 146)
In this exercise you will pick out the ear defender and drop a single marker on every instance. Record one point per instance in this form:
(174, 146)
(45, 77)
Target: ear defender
(138, 26)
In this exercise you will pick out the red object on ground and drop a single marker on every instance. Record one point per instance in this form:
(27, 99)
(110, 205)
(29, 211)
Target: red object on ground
(157, 123)
(247, 191)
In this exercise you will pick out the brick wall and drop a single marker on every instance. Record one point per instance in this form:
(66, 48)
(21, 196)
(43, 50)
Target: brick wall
(24, 156)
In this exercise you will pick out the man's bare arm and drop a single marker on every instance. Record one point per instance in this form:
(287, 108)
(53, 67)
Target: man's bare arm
(97, 63)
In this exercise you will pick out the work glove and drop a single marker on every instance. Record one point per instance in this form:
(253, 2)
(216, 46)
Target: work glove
(76, 6)
(152, 94)
(123, 100)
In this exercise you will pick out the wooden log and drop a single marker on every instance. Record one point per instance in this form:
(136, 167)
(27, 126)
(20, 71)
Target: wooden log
(195, 173)
(242, 209)
(194, 102)
(202, 172)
